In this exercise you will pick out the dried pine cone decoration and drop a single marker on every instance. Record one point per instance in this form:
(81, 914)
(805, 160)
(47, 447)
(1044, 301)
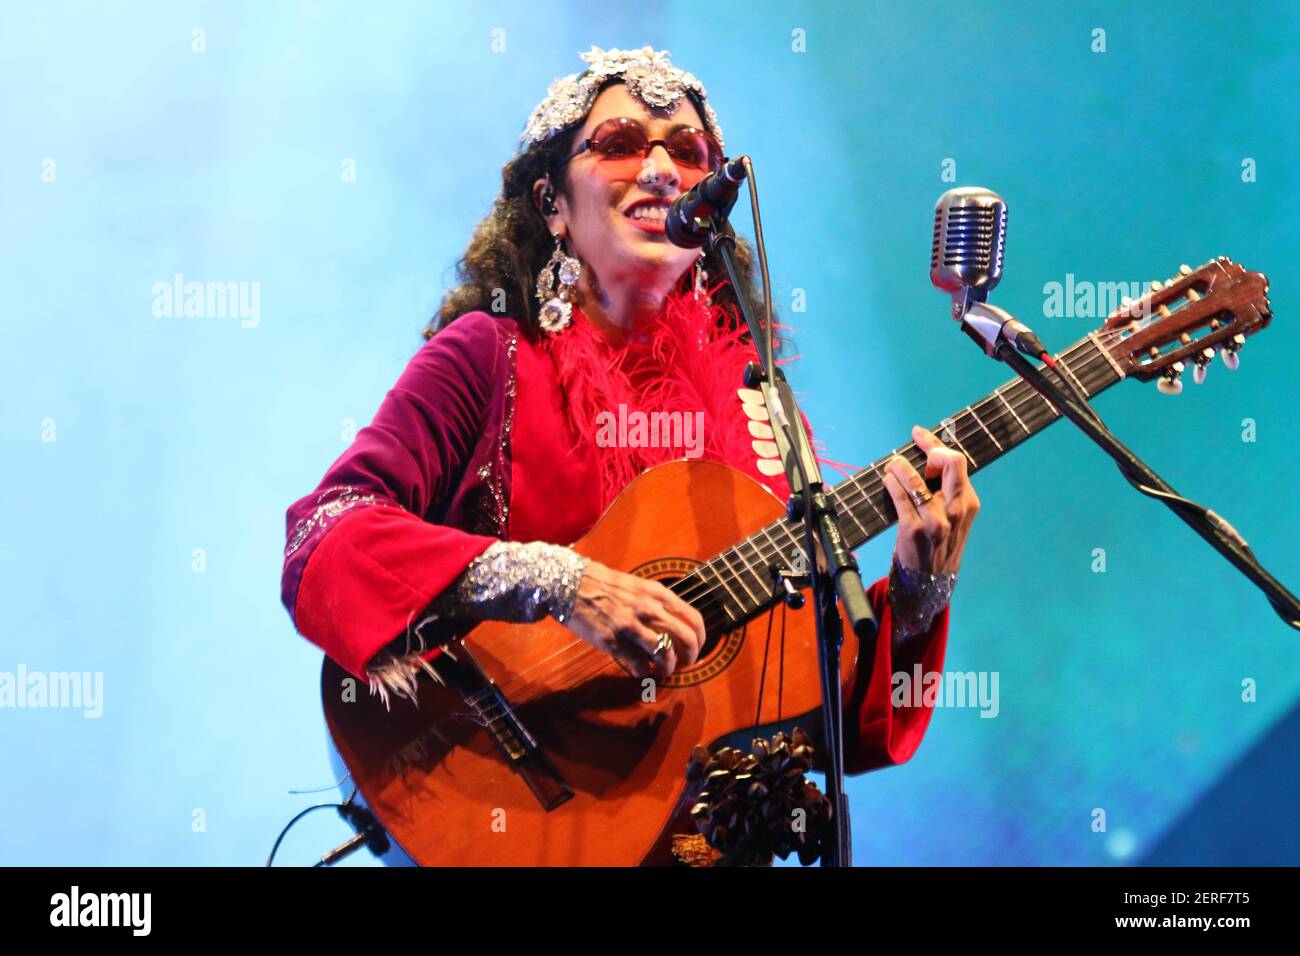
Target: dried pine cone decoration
(746, 807)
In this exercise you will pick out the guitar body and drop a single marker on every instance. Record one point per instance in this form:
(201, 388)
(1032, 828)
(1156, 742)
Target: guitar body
(446, 790)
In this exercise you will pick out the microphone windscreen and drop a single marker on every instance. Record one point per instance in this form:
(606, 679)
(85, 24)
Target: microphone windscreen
(970, 231)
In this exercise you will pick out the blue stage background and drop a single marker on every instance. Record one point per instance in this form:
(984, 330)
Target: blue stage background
(151, 458)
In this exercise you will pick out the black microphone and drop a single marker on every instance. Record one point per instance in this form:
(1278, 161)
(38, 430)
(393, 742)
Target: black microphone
(688, 217)
(970, 237)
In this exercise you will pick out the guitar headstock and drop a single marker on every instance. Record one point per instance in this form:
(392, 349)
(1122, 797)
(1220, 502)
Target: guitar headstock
(1185, 320)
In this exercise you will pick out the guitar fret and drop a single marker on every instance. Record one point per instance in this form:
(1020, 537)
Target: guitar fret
(1052, 412)
(1070, 371)
(1119, 372)
(981, 424)
(963, 450)
(791, 541)
(739, 576)
(715, 613)
(1035, 409)
(721, 580)
(998, 393)
(758, 576)
(854, 516)
(775, 547)
(1047, 403)
(880, 476)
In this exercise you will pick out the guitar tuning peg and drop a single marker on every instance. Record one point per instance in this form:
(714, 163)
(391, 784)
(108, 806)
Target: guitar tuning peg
(1171, 382)
(1202, 365)
(1231, 359)
(1157, 285)
(1184, 270)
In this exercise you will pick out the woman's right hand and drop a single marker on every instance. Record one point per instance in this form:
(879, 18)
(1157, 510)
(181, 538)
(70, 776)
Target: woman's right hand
(624, 615)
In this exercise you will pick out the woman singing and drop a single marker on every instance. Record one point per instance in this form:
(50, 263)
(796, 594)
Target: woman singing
(494, 449)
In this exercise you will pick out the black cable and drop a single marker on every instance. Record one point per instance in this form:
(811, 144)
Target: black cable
(319, 806)
(1178, 503)
(1081, 403)
(1079, 398)
(341, 807)
(768, 356)
(1210, 517)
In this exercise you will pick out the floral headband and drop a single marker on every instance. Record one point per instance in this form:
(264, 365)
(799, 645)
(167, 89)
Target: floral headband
(648, 75)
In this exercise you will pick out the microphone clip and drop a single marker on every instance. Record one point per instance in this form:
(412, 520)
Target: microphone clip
(995, 329)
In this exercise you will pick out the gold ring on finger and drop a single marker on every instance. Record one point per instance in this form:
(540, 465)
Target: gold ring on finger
(919, 498)
(663, 644)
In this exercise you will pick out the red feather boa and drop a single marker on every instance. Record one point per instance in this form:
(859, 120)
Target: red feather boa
(684, 360)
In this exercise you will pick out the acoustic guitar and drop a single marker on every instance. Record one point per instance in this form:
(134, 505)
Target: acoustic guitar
(534, 748)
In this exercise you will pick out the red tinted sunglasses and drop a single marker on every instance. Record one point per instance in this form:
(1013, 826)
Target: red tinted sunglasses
(622, 145)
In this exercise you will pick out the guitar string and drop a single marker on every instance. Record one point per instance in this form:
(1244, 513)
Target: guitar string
(859, 494)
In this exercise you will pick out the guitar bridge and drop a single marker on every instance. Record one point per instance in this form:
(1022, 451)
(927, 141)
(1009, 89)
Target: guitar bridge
(492, 710)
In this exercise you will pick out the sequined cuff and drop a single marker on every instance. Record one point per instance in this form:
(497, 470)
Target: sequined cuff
(510, 581)
(916, 598)
(517, 582)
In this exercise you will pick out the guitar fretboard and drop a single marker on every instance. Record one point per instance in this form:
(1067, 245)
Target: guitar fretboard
(735, 585)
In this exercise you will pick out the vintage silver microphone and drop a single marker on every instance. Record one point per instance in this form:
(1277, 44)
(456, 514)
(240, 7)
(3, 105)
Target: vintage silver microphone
(970, 237)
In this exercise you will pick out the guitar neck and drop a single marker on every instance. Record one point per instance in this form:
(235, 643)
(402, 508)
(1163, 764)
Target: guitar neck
(983, 432)
(738, 582)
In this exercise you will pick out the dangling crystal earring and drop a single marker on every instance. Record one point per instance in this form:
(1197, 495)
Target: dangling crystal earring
(557, 300)
(701, 280)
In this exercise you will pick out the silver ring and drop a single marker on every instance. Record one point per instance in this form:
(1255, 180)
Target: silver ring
(664, 643)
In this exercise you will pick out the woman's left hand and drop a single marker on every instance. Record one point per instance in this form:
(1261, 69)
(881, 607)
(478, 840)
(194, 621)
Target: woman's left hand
(932, 535)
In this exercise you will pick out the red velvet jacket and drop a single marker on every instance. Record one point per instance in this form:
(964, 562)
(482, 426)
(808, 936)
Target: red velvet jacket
(477, 441)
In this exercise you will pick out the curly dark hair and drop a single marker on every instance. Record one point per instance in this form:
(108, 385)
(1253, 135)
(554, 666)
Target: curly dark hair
(498, 270)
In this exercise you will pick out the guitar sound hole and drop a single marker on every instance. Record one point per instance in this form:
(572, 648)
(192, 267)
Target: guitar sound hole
(711, 639)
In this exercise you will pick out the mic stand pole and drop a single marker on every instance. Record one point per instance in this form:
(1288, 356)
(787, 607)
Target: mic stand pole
(1214, 529)
(831, 564)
